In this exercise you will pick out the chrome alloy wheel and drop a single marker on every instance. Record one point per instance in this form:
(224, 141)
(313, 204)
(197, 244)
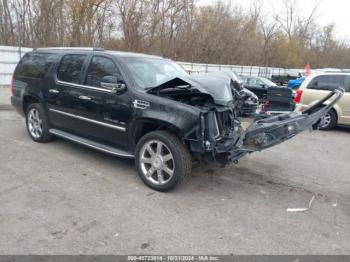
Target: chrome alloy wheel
(326, 121)
(35, 123)
(157, 162)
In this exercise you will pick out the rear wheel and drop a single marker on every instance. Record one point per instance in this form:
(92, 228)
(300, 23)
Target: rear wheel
(37, 124)
(162, 160)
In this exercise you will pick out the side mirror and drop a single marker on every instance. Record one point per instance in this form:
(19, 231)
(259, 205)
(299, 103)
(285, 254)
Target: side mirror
(112, 83)
(263, 86)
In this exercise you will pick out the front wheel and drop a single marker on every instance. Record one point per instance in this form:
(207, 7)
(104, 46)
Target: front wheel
(162, 160)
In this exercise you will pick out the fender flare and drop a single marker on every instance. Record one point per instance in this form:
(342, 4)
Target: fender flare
(26, 95)
(139, 124)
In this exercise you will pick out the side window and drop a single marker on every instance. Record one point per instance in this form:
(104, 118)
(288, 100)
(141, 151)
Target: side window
(347, 83)
(253, 81)
(326, 82)
(259, 82)
(35, 65)
(70, 68)
(100, 67)
(249, 81)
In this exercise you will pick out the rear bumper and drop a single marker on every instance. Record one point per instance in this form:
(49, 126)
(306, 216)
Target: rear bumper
(16, 102)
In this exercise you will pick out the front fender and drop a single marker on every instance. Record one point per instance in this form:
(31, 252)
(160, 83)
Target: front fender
(181, 116)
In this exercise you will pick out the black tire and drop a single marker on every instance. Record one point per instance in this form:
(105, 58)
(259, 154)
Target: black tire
(332, 121)
(181, 162)
(44, 136)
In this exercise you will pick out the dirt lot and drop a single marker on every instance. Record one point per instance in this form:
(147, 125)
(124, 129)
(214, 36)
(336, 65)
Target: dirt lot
(62, 198)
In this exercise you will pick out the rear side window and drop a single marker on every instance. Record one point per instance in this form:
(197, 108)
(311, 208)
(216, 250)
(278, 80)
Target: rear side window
(35, 65)
(100, 67)
(326, 82)
(347, 83)
(70, 68)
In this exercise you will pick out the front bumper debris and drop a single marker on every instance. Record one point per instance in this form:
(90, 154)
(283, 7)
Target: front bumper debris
(277, 129)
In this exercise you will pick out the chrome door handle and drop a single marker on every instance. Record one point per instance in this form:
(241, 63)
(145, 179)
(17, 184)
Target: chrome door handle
(54, 91)
(84, 98)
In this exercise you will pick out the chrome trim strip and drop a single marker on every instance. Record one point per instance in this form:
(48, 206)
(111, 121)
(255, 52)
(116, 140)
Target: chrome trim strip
(84, 86)
(89, 120)
(52, 131)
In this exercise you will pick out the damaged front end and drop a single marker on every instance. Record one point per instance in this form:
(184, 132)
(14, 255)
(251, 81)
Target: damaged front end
(268, 132)
(220, 99)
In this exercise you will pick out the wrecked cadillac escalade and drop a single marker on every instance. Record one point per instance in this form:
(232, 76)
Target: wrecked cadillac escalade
(147, 108)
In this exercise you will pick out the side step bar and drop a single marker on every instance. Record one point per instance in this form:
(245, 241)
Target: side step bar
(91, 144)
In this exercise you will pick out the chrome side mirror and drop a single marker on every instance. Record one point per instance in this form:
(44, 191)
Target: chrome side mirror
(119, 88)
(112, 83)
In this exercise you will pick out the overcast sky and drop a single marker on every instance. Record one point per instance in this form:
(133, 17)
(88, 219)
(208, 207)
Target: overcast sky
(330, 11)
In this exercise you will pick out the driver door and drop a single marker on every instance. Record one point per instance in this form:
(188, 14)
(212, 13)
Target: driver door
(105, 113)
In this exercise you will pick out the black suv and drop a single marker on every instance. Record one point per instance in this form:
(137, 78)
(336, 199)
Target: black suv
(144, 107)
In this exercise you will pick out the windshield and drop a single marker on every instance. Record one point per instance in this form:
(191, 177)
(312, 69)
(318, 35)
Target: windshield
(152, 72)
(268, 82)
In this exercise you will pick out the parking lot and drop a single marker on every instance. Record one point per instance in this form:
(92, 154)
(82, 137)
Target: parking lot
(61, 198)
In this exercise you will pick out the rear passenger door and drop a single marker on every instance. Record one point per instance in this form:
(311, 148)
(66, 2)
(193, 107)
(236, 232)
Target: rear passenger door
(105, 112)
(62, 93)
(320, 86)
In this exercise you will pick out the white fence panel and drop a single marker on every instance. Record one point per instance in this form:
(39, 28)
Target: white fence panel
(241, 70)
(9, 57)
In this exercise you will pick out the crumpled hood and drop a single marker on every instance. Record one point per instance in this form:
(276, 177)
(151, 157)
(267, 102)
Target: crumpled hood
(216, 84)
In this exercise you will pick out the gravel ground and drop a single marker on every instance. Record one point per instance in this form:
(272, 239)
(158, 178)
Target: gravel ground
(61, 198)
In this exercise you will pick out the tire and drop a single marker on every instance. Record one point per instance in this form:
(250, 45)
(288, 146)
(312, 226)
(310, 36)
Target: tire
(37, 124)
(162, 160)
(331, 121)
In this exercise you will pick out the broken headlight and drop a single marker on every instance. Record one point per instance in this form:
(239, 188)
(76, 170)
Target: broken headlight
(211, 127)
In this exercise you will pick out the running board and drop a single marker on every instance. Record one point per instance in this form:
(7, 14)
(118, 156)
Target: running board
(95, 145)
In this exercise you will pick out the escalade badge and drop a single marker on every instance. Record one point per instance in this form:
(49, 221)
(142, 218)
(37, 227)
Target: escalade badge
(141, 104)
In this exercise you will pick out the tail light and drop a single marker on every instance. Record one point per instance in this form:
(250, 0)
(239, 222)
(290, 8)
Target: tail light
(297, 98)
(12, 85)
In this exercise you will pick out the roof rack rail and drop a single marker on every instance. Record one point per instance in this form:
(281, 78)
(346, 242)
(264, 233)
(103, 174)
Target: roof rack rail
(70, 48)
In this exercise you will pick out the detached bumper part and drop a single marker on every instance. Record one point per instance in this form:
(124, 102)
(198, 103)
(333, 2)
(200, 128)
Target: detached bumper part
(275, 130)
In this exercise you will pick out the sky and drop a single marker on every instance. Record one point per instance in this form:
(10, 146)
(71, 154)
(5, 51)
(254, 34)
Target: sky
(329, 11)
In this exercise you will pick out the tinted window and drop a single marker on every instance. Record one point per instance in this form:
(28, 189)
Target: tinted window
(347, 83)
(70, 68)
(326, 82)
(253, 81)
(100, 67)
(35, 65)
